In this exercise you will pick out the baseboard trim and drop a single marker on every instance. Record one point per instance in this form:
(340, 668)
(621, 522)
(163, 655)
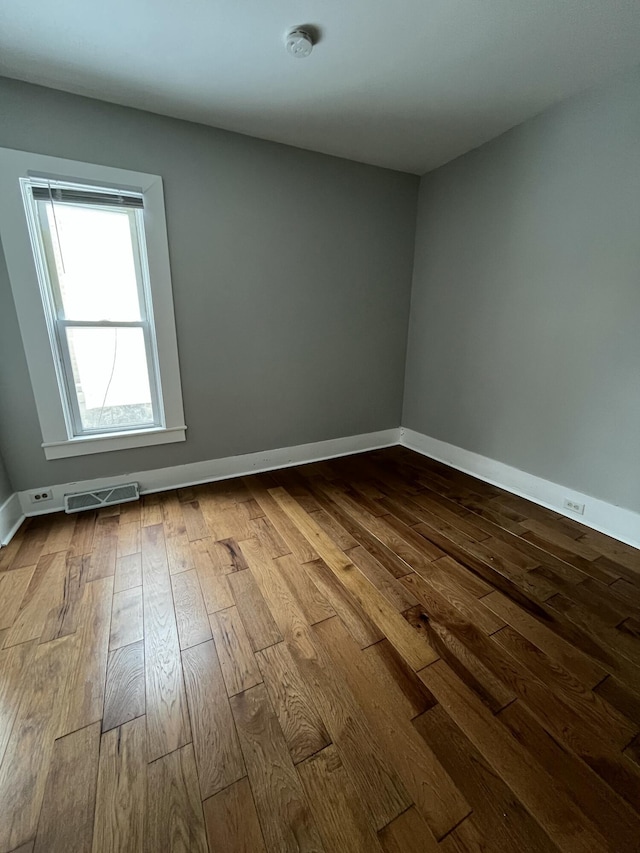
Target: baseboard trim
(11, 517)
(615, 521)
(192, 474)
(618, 522)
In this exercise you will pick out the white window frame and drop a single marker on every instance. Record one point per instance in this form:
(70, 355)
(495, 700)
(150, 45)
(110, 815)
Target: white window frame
(40, 349)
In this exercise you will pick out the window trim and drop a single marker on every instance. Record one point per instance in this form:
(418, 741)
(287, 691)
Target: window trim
(58, 441)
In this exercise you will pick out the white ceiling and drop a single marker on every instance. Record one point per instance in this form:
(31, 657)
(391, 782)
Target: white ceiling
(408, 84)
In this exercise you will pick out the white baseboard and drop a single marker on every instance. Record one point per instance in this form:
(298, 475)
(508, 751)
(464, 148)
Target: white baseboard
(616, 521)
(161, 479)
(622, 524)
(11, 517)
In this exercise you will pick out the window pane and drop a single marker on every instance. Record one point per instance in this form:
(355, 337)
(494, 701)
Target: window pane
(111, 375)
(94, 261)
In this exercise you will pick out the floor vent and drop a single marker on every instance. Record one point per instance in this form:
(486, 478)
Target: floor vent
(101, 497)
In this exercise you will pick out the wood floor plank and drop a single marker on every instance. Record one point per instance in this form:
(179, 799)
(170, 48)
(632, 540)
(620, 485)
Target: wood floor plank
(195, 524)
(301, 724)
(31, 545)
(282, 806)
(173, 818)
(263, 530)
(60, 534)
(399, 682)
(498, 814)
(621, 697)
(217, 750)
(361, 627)
(128, 538)
(167, 715)
(596, 712)
(579, 664)
(398, 595)
(151, 510)
(105, 549)
(67, 816)
(44, 592)
(256, 616)
(85, 692)
(179, 555)
(128, 572)
(299, 577)
(408, 833)
(232, 821)
(64, 618)
(432, 790)
(121, 791)
(83, 534)
(295, 541)
(466, 661)
(126, 618)
(231, 554)
(239, 668)
(23, 773)
(191, 614)
(370, 768)
(335, 805)
(13, 586)
(213, 580)
(535, 788)
(14, 662)
(124, 697)
(613, 817)
(408, 643)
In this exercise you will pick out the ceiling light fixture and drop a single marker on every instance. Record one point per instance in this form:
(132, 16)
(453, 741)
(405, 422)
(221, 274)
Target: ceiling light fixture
(299, 42)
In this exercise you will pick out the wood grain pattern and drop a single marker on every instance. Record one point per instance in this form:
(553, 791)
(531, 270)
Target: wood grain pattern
(280, 800)
(217, 749)
(121, 792)
(167, 715)
(339, 814)
(256, 616)
(23, 773)
(13, 586)
(232, 821)
(174, 819)
(239, 668)
(191, 614)
(44, 593)
(85, 692)
(124, 697)
(128, 572)
(374, 652)
(126, 618)
(13, 663)
(299, 719)
(66, 819)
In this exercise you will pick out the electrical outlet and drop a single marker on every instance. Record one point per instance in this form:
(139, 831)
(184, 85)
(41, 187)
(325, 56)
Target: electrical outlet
(40, 496)
(573, 506)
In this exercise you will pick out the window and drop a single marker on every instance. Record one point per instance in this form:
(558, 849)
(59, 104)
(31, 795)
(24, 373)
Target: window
(92, 253)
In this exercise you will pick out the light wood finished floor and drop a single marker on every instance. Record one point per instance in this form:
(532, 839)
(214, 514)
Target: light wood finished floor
(371, 654)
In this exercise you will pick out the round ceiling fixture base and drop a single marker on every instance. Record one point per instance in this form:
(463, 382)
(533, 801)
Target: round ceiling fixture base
(299, 43)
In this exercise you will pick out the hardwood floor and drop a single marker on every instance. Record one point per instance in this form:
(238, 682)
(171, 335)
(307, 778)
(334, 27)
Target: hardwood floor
(376, 653)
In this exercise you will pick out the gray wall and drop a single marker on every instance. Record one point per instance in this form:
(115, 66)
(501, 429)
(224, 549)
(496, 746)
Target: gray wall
(5, 485)
(524, 341)
(291, 276)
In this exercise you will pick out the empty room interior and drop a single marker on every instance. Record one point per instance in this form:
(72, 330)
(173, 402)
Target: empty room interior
(320, 427)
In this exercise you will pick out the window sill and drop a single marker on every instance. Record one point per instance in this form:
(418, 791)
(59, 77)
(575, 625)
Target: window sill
(114, 441)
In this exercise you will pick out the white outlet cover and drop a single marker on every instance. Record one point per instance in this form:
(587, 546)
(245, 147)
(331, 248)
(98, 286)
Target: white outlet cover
(39, 496)
(574, 506)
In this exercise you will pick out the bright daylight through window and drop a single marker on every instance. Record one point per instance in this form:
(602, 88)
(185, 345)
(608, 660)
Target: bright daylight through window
(91, 248)
(88, 259)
